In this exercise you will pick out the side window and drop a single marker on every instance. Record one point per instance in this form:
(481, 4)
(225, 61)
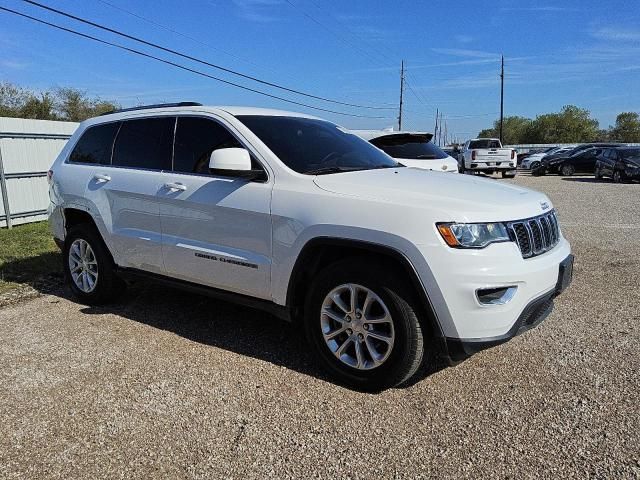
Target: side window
(95, 145)
(196, 138)
(145, 143)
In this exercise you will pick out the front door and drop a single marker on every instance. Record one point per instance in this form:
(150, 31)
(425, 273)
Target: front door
(216, 230)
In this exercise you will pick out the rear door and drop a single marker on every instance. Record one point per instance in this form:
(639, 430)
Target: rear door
(125, 192)
(216, 229)
(586, 162)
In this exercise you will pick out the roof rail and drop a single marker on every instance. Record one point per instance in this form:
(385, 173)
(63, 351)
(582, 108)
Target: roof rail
(157, 105)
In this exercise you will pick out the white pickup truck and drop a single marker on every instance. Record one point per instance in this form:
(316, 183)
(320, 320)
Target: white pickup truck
(487, 155)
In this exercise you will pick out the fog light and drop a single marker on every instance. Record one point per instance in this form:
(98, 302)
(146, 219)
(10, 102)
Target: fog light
(496, 296)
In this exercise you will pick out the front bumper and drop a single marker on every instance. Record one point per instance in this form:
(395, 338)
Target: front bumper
(455, 276)
(533, 315)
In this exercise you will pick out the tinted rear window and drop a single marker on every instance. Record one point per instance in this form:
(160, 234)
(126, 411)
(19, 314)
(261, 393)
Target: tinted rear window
(95, 145)
(484, 144)
(145, 143)
(411, 147)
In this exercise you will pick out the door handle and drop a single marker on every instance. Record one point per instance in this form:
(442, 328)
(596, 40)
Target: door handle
(175, 187)
(99, 177)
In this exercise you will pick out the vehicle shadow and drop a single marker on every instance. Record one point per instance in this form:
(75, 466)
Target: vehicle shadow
(216, 323)
(585, 180)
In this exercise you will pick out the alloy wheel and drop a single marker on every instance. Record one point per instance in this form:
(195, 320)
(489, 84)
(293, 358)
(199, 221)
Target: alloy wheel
(83, 265)
(357, 326)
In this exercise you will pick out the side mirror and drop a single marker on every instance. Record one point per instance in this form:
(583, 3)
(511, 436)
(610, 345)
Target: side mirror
(230, 159)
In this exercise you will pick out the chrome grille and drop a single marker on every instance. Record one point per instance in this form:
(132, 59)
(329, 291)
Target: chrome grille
(536, 235)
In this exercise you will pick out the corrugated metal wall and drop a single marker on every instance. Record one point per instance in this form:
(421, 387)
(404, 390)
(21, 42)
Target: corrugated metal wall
(27, 150)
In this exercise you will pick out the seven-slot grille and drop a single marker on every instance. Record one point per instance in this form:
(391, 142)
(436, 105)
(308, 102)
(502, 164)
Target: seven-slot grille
(536, 235)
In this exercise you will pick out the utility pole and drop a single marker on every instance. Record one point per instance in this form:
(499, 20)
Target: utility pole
(435, 130)
(440, 131)
(501, 96)
(445, 133)
(401, 94)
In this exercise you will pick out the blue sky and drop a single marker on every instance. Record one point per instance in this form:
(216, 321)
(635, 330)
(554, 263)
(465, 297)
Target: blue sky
(582, 52)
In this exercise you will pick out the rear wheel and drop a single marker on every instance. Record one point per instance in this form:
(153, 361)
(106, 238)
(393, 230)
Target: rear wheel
(568, 170)
(534, 165)
(362, 325)
(508, 175)
(88, 267)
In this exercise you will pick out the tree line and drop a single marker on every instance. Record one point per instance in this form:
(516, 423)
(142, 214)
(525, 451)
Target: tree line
(571, 125)
(64, 103)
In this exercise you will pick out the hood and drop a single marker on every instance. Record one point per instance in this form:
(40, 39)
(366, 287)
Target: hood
(462, 197)
(429, 163)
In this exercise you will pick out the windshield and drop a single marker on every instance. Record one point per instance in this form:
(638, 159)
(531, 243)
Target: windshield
(315, 146)
(409, 146)
(632, 155)
(484, 144)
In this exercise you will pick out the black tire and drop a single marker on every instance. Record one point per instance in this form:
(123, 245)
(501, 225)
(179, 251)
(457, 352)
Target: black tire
(567, 170)
(534, 165)
(407, 352)
(108, 285)
(618, 176)
(508, 175)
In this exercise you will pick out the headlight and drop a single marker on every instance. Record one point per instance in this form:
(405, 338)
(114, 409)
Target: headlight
(473, 235)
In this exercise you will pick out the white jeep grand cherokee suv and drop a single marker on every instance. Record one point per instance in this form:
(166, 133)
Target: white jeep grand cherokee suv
(295, 215)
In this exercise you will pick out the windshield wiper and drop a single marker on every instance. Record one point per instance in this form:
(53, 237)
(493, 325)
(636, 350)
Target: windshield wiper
(426, 156)
(334, 169)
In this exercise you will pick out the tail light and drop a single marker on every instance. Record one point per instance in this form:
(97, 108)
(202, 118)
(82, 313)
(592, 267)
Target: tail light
(513, 154)
(50, 176)
(473, 154)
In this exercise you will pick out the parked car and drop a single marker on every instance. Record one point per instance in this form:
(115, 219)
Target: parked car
(375, 262)
(412, 149)
(533, 161)
(620, 163)
(487, 155)
(581, 159)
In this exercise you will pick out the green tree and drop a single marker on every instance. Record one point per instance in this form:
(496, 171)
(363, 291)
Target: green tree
(68, 104)
(74, 105)
(12, 99)
(514, 130)
(627, 128)
(571, 125)
(41, 108)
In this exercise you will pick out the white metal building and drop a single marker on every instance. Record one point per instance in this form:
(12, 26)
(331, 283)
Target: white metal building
(27, 150)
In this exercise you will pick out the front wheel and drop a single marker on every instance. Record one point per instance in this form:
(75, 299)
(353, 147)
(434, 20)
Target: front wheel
(534, 165)
(568, 170)
(363, 327)
(88, 267)
(618, 176)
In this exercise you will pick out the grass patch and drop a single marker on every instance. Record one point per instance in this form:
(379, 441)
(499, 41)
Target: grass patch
(27, 252)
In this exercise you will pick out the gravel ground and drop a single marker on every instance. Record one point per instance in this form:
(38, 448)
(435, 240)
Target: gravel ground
(173, 385)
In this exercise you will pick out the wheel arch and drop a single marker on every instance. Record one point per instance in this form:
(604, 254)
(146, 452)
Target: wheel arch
(77, 216)
(320, 252)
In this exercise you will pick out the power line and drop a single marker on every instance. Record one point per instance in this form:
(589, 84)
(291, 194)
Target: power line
(184, 35)
(182, 67)
(203, 62)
